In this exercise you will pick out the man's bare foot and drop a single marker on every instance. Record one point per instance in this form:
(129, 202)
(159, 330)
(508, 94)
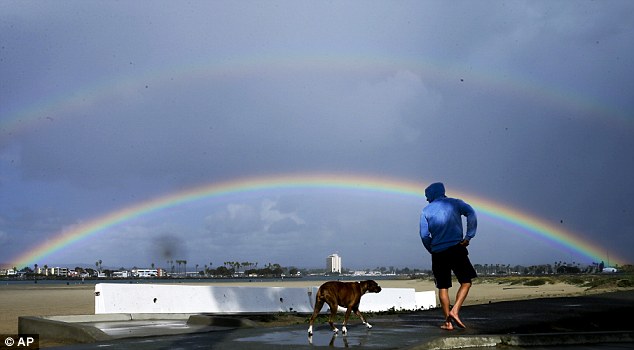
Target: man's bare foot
(456, 319)
(447, 326)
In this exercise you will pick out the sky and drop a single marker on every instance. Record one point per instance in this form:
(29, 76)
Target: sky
(111, 112)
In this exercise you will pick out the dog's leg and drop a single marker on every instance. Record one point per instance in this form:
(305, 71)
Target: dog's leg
(344, 329)
(318, 305)
(333, 316)
(358, 313)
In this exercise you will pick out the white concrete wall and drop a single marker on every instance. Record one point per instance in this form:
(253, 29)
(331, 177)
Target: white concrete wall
(426, 300)
(166, 298)
(396, 298)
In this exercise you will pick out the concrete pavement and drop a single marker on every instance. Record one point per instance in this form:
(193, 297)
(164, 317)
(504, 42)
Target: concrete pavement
(594, 322)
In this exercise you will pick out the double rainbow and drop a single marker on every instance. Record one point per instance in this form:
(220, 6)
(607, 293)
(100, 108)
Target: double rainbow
(67, 103)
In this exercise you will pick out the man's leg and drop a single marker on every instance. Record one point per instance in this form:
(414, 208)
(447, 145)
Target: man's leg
(443, 295)
(461, 295)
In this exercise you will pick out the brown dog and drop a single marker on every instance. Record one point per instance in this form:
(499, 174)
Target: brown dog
(344, 294)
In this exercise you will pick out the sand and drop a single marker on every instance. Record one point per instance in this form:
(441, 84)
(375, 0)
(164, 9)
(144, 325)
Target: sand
(43, 300)
(78, 299)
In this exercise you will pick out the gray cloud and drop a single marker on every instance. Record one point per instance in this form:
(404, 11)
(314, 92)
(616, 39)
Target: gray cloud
(527, 105)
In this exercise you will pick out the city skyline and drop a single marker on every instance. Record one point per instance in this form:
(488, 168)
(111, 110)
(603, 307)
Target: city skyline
(328, 265)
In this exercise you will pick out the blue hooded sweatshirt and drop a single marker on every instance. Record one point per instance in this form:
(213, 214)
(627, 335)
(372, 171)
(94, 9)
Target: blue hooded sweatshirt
(441, 220)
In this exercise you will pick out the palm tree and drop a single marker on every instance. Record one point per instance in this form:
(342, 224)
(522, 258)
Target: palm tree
(179, 262)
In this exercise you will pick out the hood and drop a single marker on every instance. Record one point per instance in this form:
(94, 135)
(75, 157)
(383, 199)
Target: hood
(435, 191)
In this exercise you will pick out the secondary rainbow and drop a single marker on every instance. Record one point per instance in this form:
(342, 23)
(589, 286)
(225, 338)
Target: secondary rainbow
(348, 182)
(65, 104)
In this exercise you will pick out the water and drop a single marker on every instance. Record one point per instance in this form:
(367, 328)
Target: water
(317, 279)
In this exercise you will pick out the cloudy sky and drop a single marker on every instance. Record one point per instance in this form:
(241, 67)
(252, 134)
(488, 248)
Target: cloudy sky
(108, 105)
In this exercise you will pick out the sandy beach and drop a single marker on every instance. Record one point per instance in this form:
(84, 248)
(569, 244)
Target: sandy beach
(78, 299)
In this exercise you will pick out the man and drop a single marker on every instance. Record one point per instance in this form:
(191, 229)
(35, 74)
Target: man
(442, 236)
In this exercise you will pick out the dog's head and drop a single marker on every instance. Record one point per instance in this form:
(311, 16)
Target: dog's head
(370, 286)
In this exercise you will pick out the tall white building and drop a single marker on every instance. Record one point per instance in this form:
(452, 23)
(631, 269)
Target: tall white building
(333, 263)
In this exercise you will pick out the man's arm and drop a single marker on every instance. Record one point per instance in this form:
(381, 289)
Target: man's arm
(425, 236)
(472, 221)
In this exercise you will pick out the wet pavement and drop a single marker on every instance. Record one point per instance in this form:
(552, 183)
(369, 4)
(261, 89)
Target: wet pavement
(588, 322)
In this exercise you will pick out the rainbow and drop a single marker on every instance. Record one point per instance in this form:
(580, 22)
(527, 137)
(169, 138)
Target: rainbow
(65, 104)
(390, 186)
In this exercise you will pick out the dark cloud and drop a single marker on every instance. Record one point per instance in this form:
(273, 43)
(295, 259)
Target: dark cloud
(169, 247)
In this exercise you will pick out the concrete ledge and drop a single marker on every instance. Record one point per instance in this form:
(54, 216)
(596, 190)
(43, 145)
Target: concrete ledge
(459, 342)
(103, 327)
(537, 339)
(574, 338)
(57, 330)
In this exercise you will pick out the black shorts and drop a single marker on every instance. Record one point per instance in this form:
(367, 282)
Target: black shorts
(454, 259)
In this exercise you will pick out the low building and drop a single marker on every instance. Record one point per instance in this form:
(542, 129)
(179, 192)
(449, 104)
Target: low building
(145, 273)
(59, 271)
(120, 274)
(7, 272)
